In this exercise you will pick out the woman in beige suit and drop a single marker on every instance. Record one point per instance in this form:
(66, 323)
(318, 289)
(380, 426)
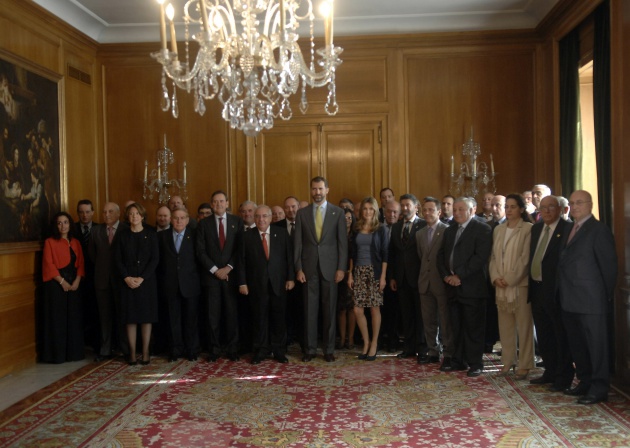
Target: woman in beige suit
(509, 265)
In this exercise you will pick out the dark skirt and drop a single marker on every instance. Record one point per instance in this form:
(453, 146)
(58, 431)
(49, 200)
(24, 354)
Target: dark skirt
(140, 305)
(62, 329)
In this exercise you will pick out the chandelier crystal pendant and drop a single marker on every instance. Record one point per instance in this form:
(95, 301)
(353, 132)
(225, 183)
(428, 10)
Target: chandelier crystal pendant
(248, 58)
(474, 177)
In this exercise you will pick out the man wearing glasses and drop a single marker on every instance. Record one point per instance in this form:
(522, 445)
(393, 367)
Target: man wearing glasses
(587, 273)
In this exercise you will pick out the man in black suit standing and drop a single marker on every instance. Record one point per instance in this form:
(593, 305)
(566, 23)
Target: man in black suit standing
(405, 267)
(463, 264)
(180, 286)
(84, 227)
(321, 259)
(544, 253)
(218, 244)
(107, 283)
(387, 195)
(294, 312)
(265, 275)
(587, 274)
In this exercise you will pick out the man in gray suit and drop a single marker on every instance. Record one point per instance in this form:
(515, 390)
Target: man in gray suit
(433, 300)
(321, 259)
(587, 274)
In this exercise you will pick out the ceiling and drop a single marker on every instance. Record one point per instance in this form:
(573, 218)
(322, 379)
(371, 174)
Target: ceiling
(118, 21)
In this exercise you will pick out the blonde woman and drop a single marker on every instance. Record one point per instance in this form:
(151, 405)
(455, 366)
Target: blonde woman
(366, 277)
(509, 267)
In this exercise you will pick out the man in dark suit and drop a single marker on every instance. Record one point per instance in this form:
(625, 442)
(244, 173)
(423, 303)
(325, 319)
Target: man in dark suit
(294, 311)
(107, 283)
(390, 310)
(435, 313)
(218, 243)
(587, 274)
(447, 209)
(83, 229)
(321, 259)
(463, 264)
(266, 272)
(544, 254)
(387, 195)
(405, 266)
(492, 316)
(180, 286)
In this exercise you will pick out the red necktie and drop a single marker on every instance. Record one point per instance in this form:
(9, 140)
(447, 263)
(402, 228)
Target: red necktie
(221, 234)
(265, 246)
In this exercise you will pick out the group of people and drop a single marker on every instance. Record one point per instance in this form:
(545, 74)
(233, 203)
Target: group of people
(448, 282)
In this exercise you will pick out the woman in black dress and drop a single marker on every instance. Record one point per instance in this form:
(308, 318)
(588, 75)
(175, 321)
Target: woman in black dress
(62, 269)
(137, 257)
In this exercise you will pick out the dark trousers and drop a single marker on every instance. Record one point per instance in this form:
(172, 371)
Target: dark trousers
(468, 321)
(222, 316)
(318, 290)
(113, 331)
(269, 332)
(389, 314)
(588, 341)
(183, 333)
(411, 314)
(553, 344)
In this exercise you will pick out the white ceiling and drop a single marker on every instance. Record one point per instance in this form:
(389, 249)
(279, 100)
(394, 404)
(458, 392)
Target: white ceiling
(117, 21)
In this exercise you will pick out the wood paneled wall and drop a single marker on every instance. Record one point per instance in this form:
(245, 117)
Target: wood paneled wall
(406, 105)
(31, 35)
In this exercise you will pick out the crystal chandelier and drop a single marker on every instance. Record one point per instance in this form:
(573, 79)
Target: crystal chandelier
(473, 177)
(160, 182)
(252, 65)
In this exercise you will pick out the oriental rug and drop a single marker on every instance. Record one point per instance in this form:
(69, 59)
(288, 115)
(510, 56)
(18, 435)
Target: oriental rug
(348, 403)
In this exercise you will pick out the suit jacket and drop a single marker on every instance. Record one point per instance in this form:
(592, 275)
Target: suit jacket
(283, 223)
(587, 270)
(89, 265)
(331, 252)
(470, 259)
(256, 271)
(403, 258)
(550, 260)
(429, 279)
(209, 252)
(178, 271)
(102, 254)
(511, 265)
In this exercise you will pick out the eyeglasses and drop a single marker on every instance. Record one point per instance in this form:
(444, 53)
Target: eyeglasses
(580, 202)
(545, 208)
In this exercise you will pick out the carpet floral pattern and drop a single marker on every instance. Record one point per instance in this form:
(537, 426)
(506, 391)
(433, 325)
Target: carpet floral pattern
(387, 403)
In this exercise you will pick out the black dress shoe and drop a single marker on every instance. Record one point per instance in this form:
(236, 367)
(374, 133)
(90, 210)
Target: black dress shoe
(192, 357)
(308, 357)
(329, 357)
(212, 357)
(99, 358)
(233, 357)
(428, 359)
(541, 380)
(256, 359)
(592, 399)
(446, 365)
(404, 355)
(474, 372)
(557, 387)
(577, 391)
(172, 358)
(281, 359)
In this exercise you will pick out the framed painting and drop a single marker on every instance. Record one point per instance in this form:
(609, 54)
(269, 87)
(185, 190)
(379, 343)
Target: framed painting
(30, 156)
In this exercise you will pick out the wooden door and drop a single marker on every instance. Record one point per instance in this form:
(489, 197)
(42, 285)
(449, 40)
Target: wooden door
(348, 154)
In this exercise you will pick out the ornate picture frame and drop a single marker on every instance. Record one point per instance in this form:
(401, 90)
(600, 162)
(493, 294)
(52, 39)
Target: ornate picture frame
(31, 155)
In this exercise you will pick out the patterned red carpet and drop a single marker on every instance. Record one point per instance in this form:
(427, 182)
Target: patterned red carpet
(352, 403)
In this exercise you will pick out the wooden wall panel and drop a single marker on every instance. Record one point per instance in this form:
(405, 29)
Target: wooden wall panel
(450, 93)
(135, 125)
(288, 160)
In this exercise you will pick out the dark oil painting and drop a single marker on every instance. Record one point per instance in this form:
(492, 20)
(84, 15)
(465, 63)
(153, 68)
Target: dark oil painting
(29, 153)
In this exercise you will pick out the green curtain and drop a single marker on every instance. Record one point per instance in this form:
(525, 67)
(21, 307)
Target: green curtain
(601, 110)
(570, 151)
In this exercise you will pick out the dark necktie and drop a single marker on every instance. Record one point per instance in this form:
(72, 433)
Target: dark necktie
(86, 234)
(430, 234)
(291, 228)
(221, 234)
(406, 231)
(460, 230)
(110, 234)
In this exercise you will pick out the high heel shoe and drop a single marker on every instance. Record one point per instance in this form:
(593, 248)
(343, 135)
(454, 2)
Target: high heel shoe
(505, 371)
(521, 374)
(371, 357)
(145, 363)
